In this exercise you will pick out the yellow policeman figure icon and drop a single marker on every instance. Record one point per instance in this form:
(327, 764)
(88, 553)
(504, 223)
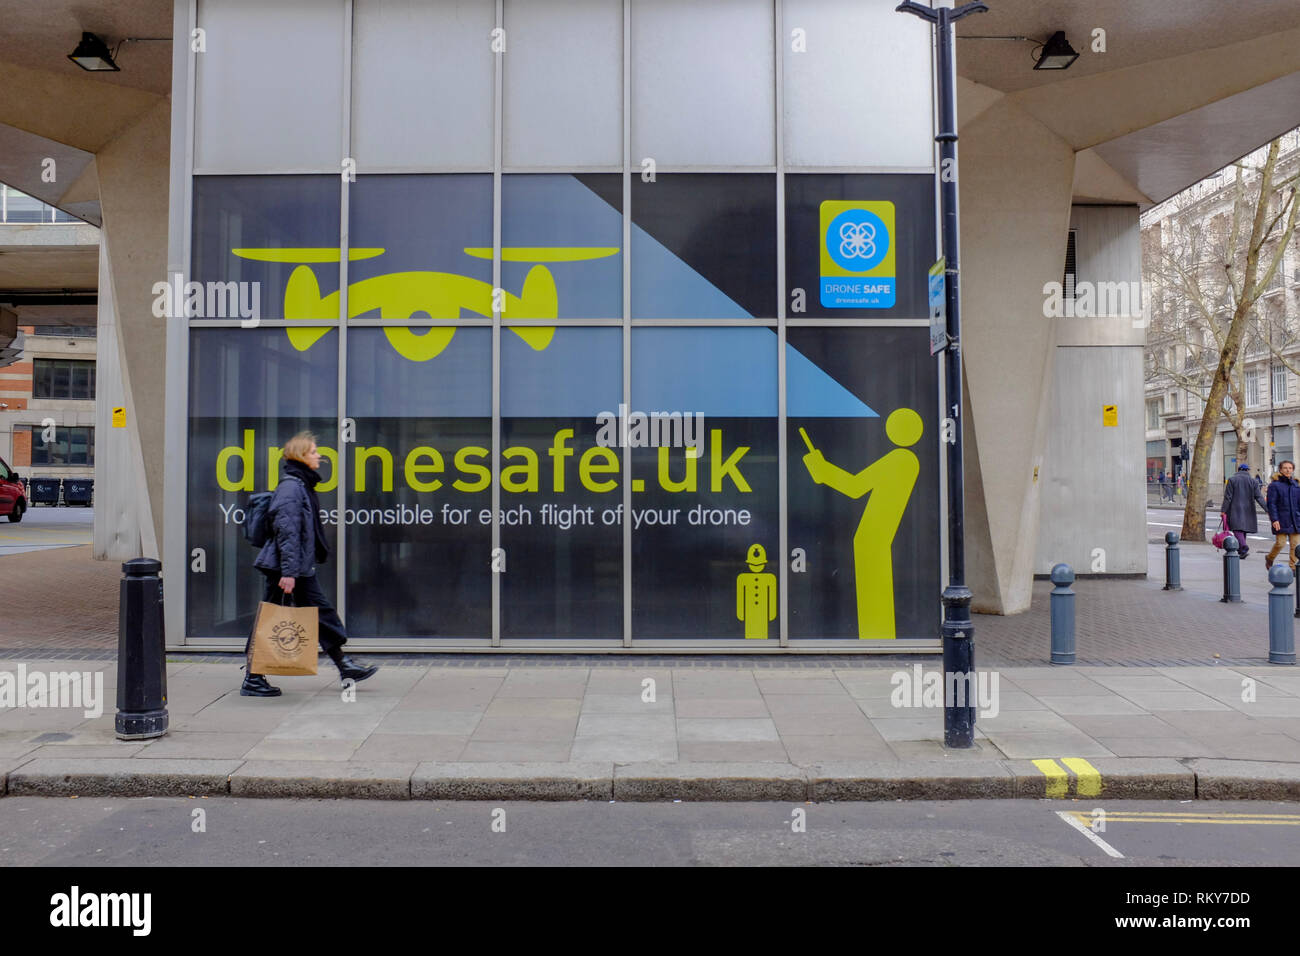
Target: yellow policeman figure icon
(756, 594)
(888, 482)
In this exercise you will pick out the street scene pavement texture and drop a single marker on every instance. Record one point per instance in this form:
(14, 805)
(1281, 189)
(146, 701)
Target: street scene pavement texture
(1172, 698)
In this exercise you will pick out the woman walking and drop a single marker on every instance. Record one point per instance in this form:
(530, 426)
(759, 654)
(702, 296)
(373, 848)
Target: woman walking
(289, 558)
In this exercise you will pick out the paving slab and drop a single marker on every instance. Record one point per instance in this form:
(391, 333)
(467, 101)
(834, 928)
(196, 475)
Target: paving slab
(806, 751)
(512, 781)
(123, 777)
(418, 748)
(351, 780)
(624, 748)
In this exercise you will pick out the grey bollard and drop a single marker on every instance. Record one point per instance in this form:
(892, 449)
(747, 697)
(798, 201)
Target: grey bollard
(1173, 573)
(1281, 625)
(1231, 572)
(141, 660)
(1062, 615)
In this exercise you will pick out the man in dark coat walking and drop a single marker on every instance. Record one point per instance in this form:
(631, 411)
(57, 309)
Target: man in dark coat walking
(1284, 512)
(1239, 497)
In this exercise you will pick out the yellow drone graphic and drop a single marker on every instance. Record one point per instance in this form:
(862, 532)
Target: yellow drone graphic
(440, 295)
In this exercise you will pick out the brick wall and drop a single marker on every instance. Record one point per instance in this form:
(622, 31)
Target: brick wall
(22, 449)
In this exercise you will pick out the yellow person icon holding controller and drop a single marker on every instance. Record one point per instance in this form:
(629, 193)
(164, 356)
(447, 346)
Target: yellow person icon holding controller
(756, 594)
(889, 481)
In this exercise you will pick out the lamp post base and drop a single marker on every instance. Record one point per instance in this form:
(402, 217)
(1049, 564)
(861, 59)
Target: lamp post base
(958, 669)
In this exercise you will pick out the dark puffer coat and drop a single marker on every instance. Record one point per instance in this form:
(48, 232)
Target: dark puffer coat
(1284, 504)
(296, 543)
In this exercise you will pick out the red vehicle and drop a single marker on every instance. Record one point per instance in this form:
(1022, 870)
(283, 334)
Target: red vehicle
(13, 499)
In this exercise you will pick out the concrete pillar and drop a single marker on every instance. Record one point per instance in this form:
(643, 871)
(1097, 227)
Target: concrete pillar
(1016, 187)
(133, 171)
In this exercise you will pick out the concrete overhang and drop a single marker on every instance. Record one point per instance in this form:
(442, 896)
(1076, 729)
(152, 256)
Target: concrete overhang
(1181, 89)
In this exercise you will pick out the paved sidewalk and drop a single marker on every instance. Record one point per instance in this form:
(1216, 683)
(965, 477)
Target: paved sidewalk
(1119, 621)
(439, 732)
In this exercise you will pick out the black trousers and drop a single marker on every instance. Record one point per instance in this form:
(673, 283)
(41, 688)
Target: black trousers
(307, 593)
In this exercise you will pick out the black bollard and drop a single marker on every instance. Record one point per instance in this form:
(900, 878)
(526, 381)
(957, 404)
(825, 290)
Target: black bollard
(1173, 573)
(1231, 572)
(141, 661)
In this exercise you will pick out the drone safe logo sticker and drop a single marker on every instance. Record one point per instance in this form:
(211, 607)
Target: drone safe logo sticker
(857, 254)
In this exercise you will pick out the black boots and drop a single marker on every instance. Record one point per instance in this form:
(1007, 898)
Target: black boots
(350, 669)
(256, 685)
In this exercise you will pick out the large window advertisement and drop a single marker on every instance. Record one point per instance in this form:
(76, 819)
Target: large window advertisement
(688, 429)
(695, 422)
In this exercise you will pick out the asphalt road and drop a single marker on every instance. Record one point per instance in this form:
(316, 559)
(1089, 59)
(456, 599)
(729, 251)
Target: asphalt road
(45, 527)
(224, 831)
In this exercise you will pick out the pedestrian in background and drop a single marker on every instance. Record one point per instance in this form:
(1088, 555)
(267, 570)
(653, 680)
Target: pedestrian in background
(1284, 511)
(289, 558)
(1239, 497)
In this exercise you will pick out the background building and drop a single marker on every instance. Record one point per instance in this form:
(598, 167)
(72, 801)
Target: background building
(47, 350)
(1188, 234)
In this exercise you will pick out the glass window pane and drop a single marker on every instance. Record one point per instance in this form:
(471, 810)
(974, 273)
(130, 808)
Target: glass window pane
(242, 225)
(860, 93)
(251, 390)
(697, 517)
(418, 549)
(702, 82)
(863, 481)
(42, 378)
(561, 241)
(436, 61)
(704, 246)
(859, 246)
(61, 386)
(563, 95)
(423, 225)
(23, 208)
(561, 523)
(77, 442)
(269, 86)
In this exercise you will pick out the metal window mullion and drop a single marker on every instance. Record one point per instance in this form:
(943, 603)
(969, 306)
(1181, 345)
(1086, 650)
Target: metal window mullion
(782, 462)
(497, 126)
(177, 385)
(341, 489)
(626, 524)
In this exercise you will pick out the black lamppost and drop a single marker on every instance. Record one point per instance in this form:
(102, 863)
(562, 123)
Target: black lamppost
(958, 631)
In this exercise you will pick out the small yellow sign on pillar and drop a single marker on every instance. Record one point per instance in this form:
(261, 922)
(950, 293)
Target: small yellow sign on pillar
(1110, 416)
(119, 418)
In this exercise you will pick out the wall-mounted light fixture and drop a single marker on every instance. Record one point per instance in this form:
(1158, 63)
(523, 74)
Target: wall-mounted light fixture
(92, 54)
(1057, 53)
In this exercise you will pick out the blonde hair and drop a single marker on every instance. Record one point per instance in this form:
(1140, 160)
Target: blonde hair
(297, 447)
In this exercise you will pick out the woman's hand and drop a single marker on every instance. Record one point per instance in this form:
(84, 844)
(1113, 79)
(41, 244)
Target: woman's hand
(286, 585)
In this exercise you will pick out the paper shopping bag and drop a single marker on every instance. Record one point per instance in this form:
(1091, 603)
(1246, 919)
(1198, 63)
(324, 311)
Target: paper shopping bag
(286, 640)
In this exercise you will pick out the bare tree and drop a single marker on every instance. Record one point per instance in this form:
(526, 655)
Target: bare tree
(1217, 268)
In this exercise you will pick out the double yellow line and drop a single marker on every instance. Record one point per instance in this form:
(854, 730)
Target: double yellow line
(1157, 816)
(1088, 777)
